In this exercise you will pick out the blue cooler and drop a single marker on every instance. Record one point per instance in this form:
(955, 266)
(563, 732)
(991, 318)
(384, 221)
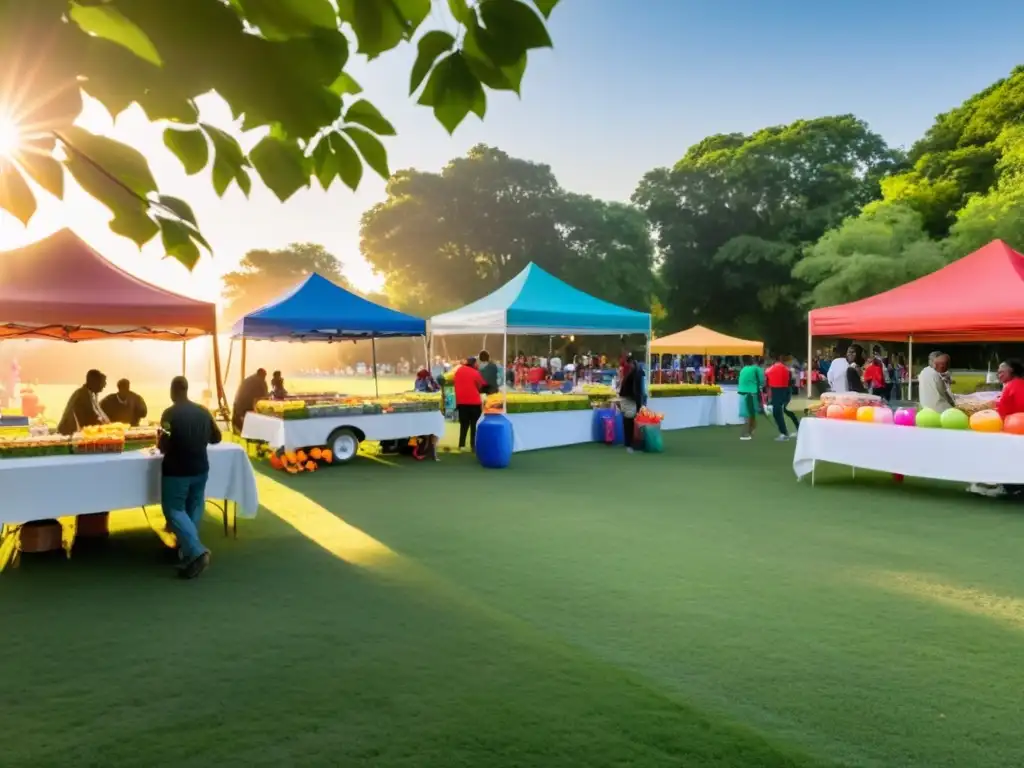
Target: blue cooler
(600, 414)
(494, 441)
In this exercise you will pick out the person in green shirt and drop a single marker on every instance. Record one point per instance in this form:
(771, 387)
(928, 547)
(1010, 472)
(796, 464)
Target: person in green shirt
(750, 383)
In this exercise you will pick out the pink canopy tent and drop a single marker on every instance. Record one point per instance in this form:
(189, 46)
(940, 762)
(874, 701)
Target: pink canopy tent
(59, 288)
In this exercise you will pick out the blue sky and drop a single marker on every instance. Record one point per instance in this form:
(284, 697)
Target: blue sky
(629, 86)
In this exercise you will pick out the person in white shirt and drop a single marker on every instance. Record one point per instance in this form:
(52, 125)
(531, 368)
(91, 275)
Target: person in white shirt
(932, 387)
(837, 372)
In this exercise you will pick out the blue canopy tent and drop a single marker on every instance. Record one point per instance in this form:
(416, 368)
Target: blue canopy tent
(318, 310)
(537, 303)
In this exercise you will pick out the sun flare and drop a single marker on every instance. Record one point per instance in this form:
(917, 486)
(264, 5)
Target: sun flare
(10, 137)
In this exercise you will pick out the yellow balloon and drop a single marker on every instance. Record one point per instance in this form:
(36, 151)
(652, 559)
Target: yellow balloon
(866, 413)
(986, 421)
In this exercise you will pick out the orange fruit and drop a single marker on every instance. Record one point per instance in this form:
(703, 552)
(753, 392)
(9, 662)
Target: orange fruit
(326, 455)
(301, 456)
(316, 454)
(310, 466)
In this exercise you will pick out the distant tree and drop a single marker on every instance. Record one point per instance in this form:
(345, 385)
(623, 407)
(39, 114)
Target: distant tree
(733, 215)
(882, 248)
(444, 239)
(264, 275)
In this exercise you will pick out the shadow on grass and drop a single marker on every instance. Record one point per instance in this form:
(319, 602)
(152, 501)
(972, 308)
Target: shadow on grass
(285, 654)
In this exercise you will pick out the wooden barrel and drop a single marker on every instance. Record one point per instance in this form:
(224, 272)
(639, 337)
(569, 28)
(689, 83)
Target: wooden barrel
(41, 536)
(95, 526)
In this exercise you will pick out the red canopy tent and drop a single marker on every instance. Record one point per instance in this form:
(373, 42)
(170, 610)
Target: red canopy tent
(977, 298)
(59, 288)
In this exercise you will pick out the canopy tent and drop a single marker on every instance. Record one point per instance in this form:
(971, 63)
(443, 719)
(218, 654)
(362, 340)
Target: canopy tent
(536, 302)
(318, 310)
(699, 340)
(977, 298)
(59, 288)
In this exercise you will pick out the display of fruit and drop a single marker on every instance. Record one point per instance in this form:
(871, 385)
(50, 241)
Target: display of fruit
(522, 402)
(29, 446)
(685, 390)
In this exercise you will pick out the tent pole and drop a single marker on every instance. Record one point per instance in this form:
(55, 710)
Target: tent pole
(373, 347)
(222, 400)
(808, 363)
(503, 387)
(426, 353)
(241, 375)
(647, 364)
(910, 367)
(183, 358)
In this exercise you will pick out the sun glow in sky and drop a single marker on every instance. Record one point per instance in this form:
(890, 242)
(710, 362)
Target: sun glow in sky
(10, 136)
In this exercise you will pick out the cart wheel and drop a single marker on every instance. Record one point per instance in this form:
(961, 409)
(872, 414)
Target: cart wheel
(344, 444)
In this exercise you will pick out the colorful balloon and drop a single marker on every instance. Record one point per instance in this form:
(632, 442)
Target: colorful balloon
(883, 415)
(850, 412)
(954, 418)
(1014, 424)
(986, 421)
(836, 412)
(904, 417)
(866, 413)
(928, 419)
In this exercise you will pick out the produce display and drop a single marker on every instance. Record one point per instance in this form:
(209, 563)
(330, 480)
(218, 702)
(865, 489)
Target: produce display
(685, 390)
(102, 438)
(138, 438)
(330, 406)
(29, 446)
(537, 403)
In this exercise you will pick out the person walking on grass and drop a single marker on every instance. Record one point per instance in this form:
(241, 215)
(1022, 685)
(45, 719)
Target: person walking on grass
(186, 430)
(468, 386)
(780, 380)
(749, 385)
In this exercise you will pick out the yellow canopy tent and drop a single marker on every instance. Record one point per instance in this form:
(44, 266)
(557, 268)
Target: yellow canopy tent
(703, 341)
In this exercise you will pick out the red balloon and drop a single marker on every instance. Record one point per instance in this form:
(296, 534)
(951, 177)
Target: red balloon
(1014, 424)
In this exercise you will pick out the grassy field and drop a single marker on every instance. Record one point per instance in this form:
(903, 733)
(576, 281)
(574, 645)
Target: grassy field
(583, 608)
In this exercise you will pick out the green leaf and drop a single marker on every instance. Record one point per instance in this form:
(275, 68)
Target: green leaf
(413, 12)
(379, 25)
(367, 115)
(190, 147)
(281, 165)
(15, 195)
(460, 10)
(500, 78)
(282, 18)
(179, 208)
(350, 167)
(177, 239)
(453, 91)
(510, 29)
(430, 46)
(106, 21)
(545, 7)
(229, 162)
(346, 84)
(371, 149)
(125, 164)
(44, 170)
(134, 224)
(325, 165)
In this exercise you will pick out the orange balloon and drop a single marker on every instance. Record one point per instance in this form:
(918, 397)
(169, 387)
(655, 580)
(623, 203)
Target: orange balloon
(1014, 424)
(836, 412)
(986, 421)
(850, 412)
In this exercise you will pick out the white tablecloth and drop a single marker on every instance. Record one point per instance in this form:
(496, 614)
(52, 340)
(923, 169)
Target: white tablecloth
(531, 431)
(61, 486)
(686, 412)
(293, 434)
(939, 454)
(728, 408)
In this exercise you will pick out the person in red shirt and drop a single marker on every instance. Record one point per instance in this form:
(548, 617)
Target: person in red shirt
(779, 381)
(468, 383)
(536, 374)
(1011, 374)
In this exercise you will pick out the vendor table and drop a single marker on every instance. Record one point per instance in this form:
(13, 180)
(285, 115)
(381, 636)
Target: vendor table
(686, 412)
(728, 408)
(938, 454)
(292, 434)
(531, 431)
(46, 487)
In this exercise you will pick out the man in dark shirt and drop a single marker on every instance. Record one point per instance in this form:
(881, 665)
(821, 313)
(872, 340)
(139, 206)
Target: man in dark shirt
(187, 429)
(124, 406)
(251, 389)
(489, 370)
(83, 409)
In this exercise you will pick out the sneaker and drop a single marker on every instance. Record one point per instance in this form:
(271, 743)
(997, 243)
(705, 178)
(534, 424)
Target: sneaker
(629, 450)
(746, 437)
(781, 438)
(195, 567)
(991, 491)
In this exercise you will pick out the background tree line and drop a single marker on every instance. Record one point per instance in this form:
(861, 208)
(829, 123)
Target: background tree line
(744, 233)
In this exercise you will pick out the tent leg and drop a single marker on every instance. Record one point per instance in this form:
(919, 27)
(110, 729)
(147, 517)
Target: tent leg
(241, 375)
(183, 358)
(426, 354)
(910, 367)
(504, 372)
(222, 400)
(647, 356)
(373, 347)
(807, 365)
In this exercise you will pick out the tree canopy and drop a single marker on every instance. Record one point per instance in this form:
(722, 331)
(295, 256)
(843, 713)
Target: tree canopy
(733, 215)
(264, 275)
(444, 239)
(279, 64)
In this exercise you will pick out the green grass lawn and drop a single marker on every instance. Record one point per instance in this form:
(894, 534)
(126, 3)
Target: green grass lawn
(583, 608)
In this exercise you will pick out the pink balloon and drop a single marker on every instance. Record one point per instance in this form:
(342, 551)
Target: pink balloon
(883, 415)
(905, 417)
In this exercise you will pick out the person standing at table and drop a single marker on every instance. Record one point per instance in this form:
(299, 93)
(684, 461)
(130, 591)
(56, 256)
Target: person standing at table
(836, 374)
(779, 379)
(489, 372)
(749, 385)
(83, 408)
(932, 387)
(124, 406)
(468, 385)
(252, 389)
(186, 430)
